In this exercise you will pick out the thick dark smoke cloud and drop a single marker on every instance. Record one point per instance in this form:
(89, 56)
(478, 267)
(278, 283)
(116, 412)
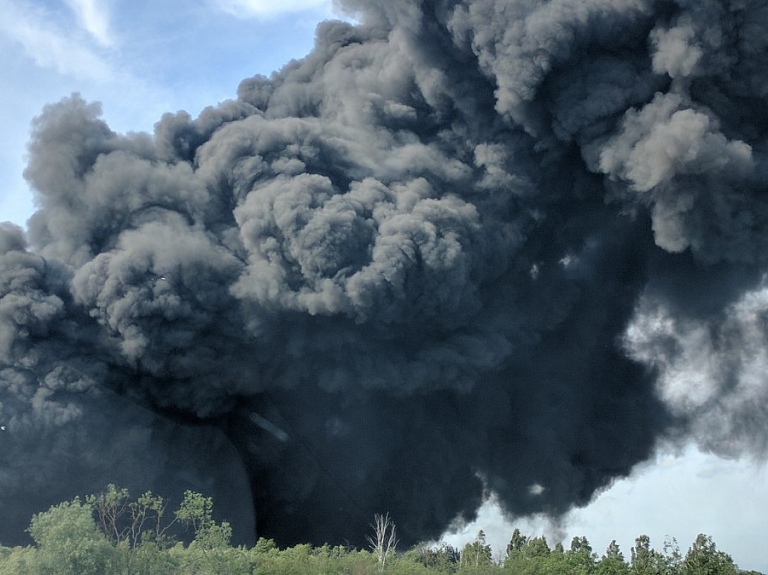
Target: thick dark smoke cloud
(462, 246)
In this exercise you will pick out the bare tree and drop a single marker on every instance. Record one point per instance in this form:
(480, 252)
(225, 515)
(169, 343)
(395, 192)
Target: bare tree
(384, 541)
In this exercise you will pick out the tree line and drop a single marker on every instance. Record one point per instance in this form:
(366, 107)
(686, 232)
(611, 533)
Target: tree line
(113, 533)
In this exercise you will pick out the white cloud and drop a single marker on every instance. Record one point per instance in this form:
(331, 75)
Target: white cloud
(711, 371)
(50, 45)
(94, 17)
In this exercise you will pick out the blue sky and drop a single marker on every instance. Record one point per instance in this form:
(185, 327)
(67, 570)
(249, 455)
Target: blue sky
(142, 58)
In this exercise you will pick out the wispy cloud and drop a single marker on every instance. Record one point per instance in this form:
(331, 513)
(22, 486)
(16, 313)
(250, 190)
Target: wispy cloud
(94, 18)
(50, 44)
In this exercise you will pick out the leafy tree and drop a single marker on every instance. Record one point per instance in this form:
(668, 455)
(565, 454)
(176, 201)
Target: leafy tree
(127, 522)
(645, 560)
(556, 562)
(534, 557)
(138, 529)
(612, 562)
(150, 558)
(440, 558)
(343, 560)
(517, 543)
(476, 555)
(196, 511)
(211, 546)
(703, 558)
(69, 542)
(112, 534)
(672, 559)
(536, 547)
(20, 561)
(580, 557)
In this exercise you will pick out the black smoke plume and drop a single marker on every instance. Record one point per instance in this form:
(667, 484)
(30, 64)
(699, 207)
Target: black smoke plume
(462, 247)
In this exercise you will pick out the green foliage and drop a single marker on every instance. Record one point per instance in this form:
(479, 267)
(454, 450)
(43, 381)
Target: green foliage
(113, 534)
(646, 560)
(612, 563)
(19, 561)
(671, 560)
(476, 557)
(517, 543)
(69, 542)
(195, 511)
(266, 559)
(530, 556)
(703, 558)
(129, 522)
(579, 558)
(537, 547)
(438, 559)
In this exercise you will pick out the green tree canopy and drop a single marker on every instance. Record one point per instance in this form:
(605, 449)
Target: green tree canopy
(477, 553)
(703, 558)
(612, 562)
(114, 534)
(69, 541)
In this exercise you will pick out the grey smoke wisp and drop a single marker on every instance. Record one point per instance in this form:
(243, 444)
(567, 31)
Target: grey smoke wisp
(461, 246)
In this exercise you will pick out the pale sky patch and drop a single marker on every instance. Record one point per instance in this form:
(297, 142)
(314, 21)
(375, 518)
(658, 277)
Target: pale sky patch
(269, 8)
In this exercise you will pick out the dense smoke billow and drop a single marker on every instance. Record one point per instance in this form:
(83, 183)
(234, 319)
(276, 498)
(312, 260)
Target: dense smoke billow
(464, 246)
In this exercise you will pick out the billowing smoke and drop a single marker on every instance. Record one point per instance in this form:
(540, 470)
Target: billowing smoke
(461, 247)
